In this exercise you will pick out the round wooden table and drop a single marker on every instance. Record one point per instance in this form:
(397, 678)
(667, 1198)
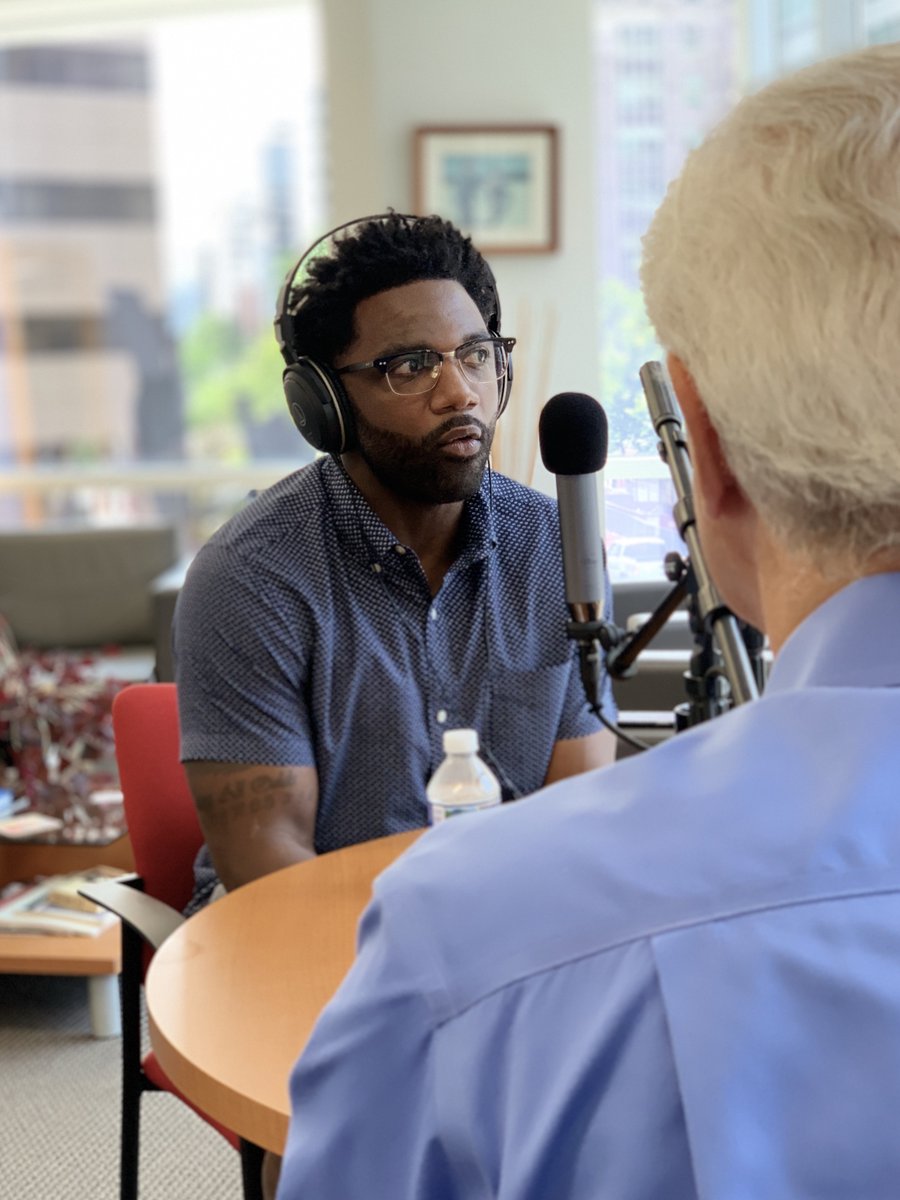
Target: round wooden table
(232, 995)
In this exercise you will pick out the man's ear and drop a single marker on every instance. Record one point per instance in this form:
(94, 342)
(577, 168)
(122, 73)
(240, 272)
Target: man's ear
(712, 475)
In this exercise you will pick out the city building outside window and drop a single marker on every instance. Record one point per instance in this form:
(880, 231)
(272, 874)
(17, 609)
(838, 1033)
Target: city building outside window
(665, 72)
(149, 207)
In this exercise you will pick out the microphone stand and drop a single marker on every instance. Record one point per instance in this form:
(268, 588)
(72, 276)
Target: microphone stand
(591, 633)
(706, 697)
(712, 623)
(703, 680)
(755, 642)
(721, 673)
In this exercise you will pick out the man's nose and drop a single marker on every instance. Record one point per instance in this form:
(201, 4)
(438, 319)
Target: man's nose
(453, 390)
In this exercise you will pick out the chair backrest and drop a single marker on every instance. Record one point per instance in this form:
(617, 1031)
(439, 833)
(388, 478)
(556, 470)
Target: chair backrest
(162, 819)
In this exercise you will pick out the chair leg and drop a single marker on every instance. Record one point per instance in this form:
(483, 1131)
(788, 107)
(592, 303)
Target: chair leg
(251, 1170)
(129, 1151)
(134, 1082)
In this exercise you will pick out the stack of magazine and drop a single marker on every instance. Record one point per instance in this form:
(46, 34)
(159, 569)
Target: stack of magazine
(54, 906)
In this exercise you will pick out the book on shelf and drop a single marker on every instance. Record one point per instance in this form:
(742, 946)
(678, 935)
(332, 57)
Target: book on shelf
(24, 825)
(54, 906)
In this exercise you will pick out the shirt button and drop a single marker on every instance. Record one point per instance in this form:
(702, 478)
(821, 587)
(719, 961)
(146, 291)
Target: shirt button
(433, 614)
(400, 549)
(441, 716)
(376, 567)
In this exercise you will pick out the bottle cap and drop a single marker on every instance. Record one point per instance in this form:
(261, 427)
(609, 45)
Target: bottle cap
(460, 741)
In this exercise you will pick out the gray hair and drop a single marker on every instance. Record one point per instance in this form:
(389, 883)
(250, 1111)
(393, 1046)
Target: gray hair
(772, 270)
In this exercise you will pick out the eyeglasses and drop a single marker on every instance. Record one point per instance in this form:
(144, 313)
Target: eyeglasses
(481, 360)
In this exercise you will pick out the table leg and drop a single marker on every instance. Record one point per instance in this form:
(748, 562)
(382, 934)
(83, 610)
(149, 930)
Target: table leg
(103, 997)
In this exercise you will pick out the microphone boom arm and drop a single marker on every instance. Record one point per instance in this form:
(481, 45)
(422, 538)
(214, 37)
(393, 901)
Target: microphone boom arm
(620, 661)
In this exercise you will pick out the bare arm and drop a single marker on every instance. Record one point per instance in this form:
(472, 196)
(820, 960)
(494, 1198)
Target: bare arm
(255, 819)
(572, 756)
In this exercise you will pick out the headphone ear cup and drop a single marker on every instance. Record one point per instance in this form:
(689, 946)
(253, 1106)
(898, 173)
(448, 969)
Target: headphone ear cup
(318, 406)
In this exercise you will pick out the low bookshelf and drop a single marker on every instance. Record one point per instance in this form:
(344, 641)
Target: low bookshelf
(97, 958)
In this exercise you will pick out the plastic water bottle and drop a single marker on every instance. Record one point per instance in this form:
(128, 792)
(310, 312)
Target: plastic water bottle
(463, 783)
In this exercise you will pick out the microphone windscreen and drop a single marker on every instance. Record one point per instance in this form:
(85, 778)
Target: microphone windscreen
(574, 434)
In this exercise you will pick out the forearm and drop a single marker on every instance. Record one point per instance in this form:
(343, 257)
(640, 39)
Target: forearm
(252, 858)
(573, 756)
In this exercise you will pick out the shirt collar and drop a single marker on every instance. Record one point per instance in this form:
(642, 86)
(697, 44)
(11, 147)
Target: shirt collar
(848, 641)
(364, 533)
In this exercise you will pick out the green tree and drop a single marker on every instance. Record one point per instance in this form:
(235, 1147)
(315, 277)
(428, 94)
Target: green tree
(208, 344)
(627, 341)
(229, 381)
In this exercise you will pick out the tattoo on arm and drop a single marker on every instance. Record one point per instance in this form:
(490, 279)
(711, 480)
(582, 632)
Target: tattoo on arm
(235, 799)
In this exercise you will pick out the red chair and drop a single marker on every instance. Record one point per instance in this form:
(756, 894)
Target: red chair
(165, 837)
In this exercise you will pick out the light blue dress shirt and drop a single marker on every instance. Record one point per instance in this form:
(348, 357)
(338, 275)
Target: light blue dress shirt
(676, 977)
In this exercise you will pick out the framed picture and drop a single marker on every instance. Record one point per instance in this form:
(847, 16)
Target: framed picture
(498, 183)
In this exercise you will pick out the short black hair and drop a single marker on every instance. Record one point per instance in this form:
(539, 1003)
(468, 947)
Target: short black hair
(372, 257)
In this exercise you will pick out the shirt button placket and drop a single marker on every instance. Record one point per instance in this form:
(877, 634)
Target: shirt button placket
(432, 633)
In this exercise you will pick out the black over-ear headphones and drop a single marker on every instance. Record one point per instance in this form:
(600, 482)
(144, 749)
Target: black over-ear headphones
(315, 396)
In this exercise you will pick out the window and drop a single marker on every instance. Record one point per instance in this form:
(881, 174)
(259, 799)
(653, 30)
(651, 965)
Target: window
(35, 201)
(148, 211)
(881, 21)
(691, 36)
(74, 66)
(663, 86)
(797, 16)
(695, 68)
(637, 38)
(882, 34)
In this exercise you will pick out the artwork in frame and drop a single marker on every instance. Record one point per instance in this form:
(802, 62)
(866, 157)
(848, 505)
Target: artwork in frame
(498, 183)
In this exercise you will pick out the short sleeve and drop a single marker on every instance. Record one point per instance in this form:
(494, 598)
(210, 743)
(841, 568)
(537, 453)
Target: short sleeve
(576, 719)
(241, 645)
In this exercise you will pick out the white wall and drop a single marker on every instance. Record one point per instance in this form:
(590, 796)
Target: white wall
(395, 64)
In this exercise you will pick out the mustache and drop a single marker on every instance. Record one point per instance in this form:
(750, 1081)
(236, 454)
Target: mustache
(458, 422)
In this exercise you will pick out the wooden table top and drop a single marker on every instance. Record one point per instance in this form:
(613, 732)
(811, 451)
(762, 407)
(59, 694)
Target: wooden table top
(233, 994)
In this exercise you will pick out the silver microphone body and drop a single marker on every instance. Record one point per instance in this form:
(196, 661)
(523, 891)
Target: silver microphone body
(582, 545)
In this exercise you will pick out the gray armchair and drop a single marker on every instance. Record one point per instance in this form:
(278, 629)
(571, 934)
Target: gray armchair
(85, 588)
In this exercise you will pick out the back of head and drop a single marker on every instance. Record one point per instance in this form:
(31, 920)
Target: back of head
(771, 270)
(371, 257)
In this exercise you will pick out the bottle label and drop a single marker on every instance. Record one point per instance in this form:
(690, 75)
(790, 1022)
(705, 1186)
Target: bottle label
(440, 812)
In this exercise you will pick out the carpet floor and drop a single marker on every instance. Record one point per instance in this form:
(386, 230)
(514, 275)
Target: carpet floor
(59, 1109)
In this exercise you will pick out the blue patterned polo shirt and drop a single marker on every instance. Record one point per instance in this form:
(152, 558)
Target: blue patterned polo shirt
(306, 635)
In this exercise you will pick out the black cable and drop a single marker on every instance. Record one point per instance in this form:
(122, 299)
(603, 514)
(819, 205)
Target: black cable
(635, 743)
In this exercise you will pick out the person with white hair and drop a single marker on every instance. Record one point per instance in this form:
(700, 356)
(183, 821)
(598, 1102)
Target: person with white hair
(680, 977)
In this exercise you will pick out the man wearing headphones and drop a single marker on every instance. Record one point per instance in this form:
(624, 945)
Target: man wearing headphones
(328, 634)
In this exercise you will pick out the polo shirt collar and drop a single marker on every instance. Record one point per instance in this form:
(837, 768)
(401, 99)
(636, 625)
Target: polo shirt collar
(367, 537)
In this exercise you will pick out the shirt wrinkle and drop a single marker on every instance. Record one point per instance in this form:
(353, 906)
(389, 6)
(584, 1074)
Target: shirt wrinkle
(651, 934)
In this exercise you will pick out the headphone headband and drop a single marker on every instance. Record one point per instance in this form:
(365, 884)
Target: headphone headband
(284, 310)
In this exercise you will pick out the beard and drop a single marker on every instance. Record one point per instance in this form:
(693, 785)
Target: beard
(417, 469)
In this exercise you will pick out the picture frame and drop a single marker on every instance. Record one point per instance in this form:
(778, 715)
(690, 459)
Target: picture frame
(498, 183)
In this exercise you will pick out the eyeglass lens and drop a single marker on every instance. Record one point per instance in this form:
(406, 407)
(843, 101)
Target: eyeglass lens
(481, 361)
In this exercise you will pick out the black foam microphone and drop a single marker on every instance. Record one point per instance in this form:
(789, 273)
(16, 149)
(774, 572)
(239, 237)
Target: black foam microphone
(574, 438)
